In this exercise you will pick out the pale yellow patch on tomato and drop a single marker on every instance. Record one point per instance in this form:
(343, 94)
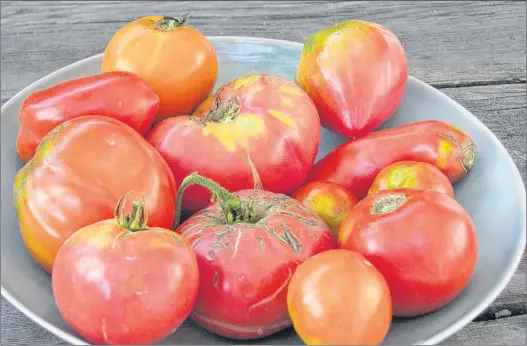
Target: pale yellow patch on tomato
(290, 90)
(400, 176)
(285, 118)
(238, 132)
(445, 150)
(247, 80)
(287, 102)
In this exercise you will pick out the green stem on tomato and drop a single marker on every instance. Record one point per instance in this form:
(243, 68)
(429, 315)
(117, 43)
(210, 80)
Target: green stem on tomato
(223, 111)
(171, 23)
(231, 205)
(136, 220)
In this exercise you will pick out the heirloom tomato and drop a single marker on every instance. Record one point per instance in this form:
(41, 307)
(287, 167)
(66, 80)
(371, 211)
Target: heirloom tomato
(356, 163)
(356, 74)
(119, 281)
(120, 95)
(175, 60)
(422, 241)
(80, 170)
(328, 200)
(337, 297)
(412, 174)
(248, 245)
(257, 130)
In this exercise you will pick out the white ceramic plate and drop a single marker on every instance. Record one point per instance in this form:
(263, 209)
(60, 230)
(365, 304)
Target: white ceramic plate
(493, 194)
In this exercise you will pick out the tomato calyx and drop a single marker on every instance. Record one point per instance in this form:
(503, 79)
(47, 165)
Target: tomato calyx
(235, 209)
(389, 203)
(171, 23)
(223, 111)
(134, 221)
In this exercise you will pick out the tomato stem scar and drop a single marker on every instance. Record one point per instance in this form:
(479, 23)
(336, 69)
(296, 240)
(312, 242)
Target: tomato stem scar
(136, 220)
(387, 204)
(171, 23)
(223, 111)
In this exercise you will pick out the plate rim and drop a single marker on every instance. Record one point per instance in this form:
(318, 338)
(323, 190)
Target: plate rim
(435, 339)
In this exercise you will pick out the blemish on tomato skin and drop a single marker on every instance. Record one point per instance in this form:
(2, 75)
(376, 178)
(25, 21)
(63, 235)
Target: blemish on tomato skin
(216, 278)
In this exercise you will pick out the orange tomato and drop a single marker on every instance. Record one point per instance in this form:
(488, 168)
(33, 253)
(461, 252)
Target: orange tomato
(337, 297)
(175, 60)
(412, 174)
(330, 201)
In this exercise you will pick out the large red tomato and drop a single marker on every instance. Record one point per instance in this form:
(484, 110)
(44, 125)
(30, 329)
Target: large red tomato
(118, 281)
(355, 72)
(337, 297)
(248, 245)
(422, 241)
(259, 125)
(80, 170)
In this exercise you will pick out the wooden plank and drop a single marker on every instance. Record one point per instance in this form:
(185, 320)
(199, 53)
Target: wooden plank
(447, 43)
(506, 331)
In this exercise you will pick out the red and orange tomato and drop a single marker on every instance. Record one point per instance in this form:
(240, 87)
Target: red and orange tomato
(412, 174)
(258, 130)
(355, 72)
(337, 297)
(80, 170)
(328, 200)
(119, 281)
(422, 241)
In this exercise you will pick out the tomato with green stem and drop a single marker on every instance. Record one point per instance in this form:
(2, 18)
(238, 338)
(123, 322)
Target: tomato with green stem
(248, 245)
(118, 281)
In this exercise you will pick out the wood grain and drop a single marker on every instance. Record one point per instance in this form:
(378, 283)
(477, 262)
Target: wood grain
(473, 51)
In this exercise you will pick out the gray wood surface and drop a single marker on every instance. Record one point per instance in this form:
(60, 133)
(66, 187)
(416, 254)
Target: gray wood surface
(473, 51)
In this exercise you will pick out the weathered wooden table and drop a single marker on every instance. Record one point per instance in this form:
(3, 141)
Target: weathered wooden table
(473, 51)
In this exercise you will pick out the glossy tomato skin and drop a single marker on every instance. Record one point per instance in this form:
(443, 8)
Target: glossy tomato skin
(422, 241)
(245, 268)
(273, 139)
(328, 200)
(120, 95)
(356, 73)
(339, 298)
(356, 163)
(79, 172)
(176, 61)
(412, 174)
(114, 286)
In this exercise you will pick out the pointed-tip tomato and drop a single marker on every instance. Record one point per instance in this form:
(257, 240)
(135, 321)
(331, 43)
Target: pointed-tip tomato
(79, 171)
(356, 73)
(422, 241)
(328, 200)
(177, 61)
(412, 174)
(337, 297)
(259, 129)
(248, 245)
(119, 281)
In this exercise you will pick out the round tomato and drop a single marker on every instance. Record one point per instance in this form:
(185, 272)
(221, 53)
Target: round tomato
(328, 200)
(175, 60)
(79, 171)
(412, 174)
(248, 245)
(258, 130)
(422, 241)
(338, 298)
(118, 281)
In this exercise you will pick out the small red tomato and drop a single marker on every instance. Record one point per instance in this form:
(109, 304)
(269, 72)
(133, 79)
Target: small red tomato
(338, 297)
(121, 282)
(422, 241)
(248, 245)
(328, 200)
(412, 174)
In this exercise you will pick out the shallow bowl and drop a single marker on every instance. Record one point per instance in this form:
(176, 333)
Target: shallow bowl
(492, 193)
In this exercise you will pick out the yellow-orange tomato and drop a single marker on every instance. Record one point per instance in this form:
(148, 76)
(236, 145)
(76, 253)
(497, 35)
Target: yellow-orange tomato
(412, 174)
(330, 201)
(338, 297)
(175, 60)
